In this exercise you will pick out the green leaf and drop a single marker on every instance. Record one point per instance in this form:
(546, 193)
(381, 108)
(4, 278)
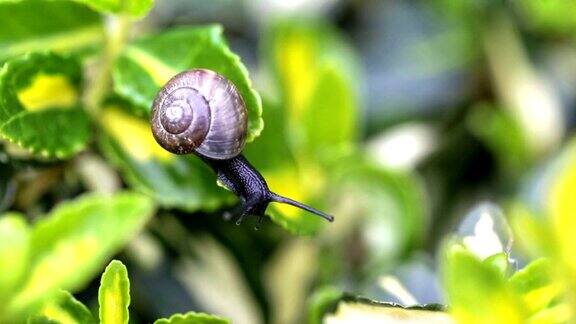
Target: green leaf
(14, 254)
(182, 182)
(51, 133)
(329, 121)
(150, 62)
(321, 302)
(537, 286)
(134, 8)
(30, 26)
(502, 134)
(499, 262)
(298, 185)
(74, 241)
(272, 150)
(64, 308)
(318, 77)
(114, 294)
(41, 320)
(192, 318)
(477, 291)
(40, 107)
(548, 17)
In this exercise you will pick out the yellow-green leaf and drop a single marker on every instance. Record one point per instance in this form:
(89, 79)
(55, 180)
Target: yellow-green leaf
(193, 318)
(499, 262)
(71, 244)
(62, 26)
(534, 231)
(549, 16)
(134, 8)
(561, 206)
(297, 185)
(319, 81)
(537, 285)
(14, 254)
(114, 294)
(40, 108)
(66, 309)
(477, 292)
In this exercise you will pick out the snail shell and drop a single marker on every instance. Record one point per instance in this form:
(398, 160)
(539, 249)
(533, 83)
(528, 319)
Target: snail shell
(199, 111)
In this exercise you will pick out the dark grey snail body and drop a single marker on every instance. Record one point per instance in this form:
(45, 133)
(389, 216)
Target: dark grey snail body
(201, 112)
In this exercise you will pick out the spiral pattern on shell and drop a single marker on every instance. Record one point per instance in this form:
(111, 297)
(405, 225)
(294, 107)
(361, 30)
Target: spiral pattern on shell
(200, 111)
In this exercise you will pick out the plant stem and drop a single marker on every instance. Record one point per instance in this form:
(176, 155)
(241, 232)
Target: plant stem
(118, 28)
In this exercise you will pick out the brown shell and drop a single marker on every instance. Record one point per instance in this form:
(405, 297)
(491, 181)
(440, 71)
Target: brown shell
(200, 110)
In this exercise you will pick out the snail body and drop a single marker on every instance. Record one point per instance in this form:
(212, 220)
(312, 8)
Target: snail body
(201, 112)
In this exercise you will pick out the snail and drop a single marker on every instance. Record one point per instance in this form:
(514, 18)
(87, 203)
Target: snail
(201, 112)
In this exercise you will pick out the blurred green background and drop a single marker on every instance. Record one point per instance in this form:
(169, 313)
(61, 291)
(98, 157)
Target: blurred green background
(438, 132)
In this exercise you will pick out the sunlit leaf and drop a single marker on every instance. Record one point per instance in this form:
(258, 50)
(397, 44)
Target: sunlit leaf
(477, 292)
(329, 120)
(29, 26)
(64, 308)
(14, 254)
(114, 294)
(74, 241)
(40, 108)
(536, 284)
(318, 79)
(548, 17)
(174, 181)
(41, 320)
(192, 318)
(134, 8)
(500, 262)
(150, 62)
(298, 185)
(556, 314)
(534, 231)
(562, 207)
